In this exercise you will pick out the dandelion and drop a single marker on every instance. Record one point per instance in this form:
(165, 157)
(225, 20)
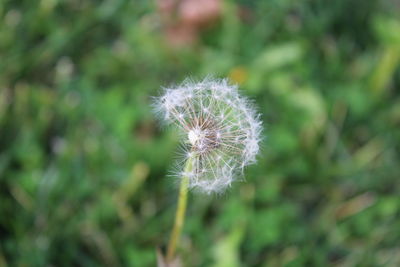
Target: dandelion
(220, 134)
(220, 131)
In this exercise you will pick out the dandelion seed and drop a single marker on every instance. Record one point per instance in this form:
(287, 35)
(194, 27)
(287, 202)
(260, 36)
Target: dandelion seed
(221, 130)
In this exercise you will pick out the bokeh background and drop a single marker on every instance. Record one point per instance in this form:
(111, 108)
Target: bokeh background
(83, 164)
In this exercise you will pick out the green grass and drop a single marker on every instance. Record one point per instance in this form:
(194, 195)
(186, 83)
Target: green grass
(83, 165)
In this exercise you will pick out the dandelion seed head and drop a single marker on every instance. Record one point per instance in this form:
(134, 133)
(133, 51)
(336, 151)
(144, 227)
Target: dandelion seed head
(221, 130)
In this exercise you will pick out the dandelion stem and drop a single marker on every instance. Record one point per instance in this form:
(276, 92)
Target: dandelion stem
(180, 213)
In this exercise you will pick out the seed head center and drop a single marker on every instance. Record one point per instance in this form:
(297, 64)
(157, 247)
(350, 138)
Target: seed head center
(195, 136)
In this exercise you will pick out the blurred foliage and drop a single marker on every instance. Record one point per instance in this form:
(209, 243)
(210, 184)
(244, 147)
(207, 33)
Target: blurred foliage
(83, 166)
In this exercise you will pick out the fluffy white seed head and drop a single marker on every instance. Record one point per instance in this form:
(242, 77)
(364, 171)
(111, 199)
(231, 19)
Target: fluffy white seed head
(221, 130)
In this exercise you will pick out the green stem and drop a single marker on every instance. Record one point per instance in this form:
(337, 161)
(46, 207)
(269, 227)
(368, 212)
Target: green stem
(180, 213)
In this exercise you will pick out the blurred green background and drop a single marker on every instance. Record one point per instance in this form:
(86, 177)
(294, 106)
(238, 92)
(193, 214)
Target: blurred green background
(84, 166)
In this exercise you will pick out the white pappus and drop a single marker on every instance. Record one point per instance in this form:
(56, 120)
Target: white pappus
(221, 130)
